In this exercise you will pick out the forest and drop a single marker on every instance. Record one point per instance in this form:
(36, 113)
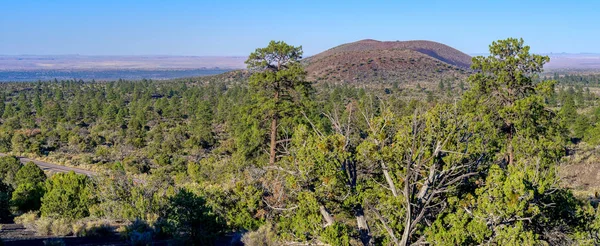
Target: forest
(273, 159)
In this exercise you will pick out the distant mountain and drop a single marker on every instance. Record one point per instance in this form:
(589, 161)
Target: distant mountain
(369, 61)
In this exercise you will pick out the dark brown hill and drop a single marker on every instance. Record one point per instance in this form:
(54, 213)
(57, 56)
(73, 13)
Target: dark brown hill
(369, 61)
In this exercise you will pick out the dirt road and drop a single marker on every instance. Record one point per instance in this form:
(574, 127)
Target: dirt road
(54, 167)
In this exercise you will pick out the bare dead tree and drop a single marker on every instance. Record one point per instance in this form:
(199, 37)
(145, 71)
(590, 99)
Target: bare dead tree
(343, 123)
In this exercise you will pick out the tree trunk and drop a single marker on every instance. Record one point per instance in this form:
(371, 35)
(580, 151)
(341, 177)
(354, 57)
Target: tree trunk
(389, 180)
(407, 225)
(273, 146)
(326, 216)
(408, 194)
(363, 227)
(510, 147)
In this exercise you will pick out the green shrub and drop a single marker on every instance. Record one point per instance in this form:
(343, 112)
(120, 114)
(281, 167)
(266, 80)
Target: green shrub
(27, 197)
(67, 196)
(336, 235)
(192, 220)
(5, 194)
(9, 166)
(30, 173)
(161, 229)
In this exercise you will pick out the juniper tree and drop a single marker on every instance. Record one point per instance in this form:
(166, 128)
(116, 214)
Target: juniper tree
(30, 188)
(513, 201)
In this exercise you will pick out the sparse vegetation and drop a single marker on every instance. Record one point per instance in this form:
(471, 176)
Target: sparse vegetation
(428, 61)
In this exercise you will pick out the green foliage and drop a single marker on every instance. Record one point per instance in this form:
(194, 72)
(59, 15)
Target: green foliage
(304, 222)
(27, 196)
(139, 233)
(5, 193)
(192, 219)
(68, 195)
(524, 136)
(9, 166)
(337, 234)
(30, 188)
(265, 152)
(279, 81)
(30, 173)
(243, 205)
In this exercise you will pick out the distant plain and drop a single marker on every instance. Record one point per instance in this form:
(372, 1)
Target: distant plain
(34, 67)
(49, 67)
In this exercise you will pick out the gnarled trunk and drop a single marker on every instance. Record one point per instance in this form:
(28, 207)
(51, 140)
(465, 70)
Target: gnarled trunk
(363, 227)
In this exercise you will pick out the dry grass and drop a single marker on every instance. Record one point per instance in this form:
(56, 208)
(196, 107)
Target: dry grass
(265, 235)
(92, 228)
(43, 226)
(61, 227)
(27, 220)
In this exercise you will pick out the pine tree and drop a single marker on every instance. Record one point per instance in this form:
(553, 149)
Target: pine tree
(279, 78)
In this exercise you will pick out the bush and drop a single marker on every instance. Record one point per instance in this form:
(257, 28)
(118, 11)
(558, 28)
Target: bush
(161, 229)
(78, 228)
(27, 220)
(92, 228)
(336, 234)
(139, 233)
(192, 219)
(30, 173)
(67, 196)
(43, 226)
(9, 166)
(5, 191)
(27, 197)
(263, 236)
(61, 227)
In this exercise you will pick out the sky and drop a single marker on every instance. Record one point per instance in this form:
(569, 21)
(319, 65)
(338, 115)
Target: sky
(236, 28)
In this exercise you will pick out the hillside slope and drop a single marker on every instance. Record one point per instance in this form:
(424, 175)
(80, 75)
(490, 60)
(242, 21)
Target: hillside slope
(371, 61)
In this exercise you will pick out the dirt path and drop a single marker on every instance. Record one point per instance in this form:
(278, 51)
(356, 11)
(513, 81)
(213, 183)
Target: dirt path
(46, 166)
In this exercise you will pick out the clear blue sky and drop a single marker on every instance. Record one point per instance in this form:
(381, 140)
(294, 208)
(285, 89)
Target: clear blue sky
(129, 27)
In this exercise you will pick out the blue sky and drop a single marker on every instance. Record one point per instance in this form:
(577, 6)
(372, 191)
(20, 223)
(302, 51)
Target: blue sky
(203, 28)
